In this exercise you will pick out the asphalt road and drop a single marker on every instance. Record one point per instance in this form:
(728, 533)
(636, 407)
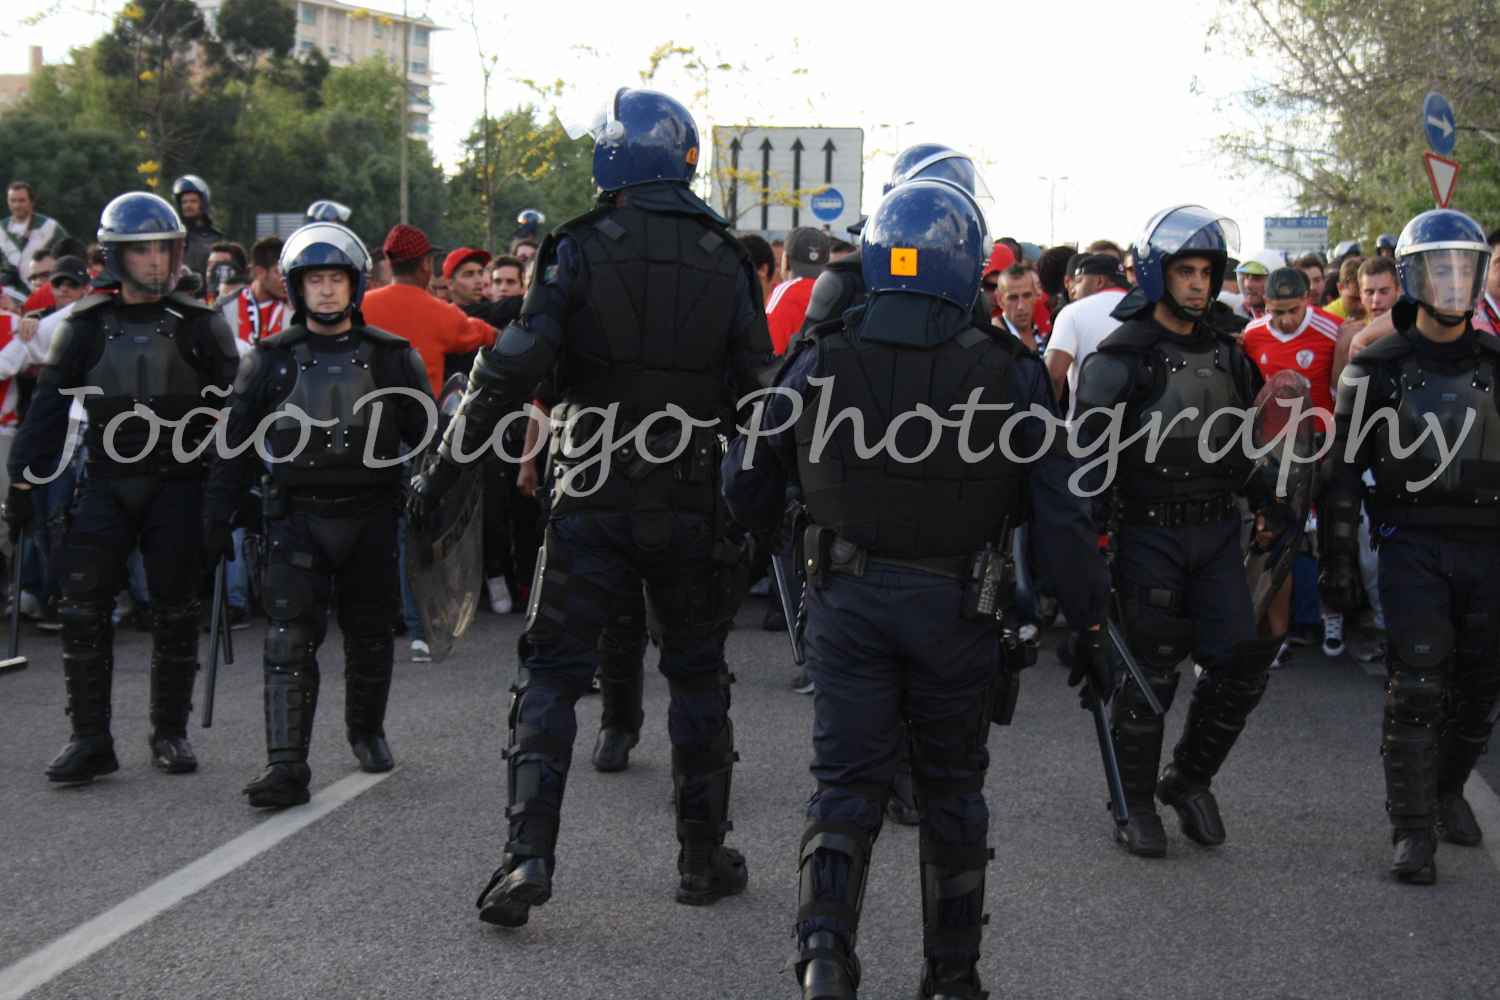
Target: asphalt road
(376, 899)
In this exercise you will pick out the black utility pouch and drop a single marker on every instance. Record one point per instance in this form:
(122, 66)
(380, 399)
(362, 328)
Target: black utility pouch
(817, 554)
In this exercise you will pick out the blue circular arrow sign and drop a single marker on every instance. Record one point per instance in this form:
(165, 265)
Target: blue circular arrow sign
(1437, 122)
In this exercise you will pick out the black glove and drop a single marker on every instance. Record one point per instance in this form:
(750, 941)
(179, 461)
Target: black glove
(19, 510)
(1090, 664)
(218, 540)
(428, 488)
(1339, 582)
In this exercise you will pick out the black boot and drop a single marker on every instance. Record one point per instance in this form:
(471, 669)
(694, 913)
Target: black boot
(701, 781)
(1414, 701)
(952, 920)
(174, 668)
(1138, 734)
(1462, 739)
(88, 670)
(538, 765)
(291, 704)
(1220, 706)
(620, 688)
(367, 686)
(901, 807)
(834, 863)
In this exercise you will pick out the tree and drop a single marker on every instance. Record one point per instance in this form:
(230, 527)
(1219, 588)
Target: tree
(76, 171)
(250, 31)
(1338, 117)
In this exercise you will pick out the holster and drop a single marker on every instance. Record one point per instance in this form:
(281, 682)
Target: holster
(1015, 656)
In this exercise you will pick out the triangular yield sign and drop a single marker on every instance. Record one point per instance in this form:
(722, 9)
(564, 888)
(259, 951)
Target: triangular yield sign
(1444, 174)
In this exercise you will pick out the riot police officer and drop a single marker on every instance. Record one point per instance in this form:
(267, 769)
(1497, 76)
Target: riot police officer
(898, 553)
(328, 211)
(1437, 508)
(143, 346)
(643, 303)
(191, 194)
(331, 501)
(1179, 571)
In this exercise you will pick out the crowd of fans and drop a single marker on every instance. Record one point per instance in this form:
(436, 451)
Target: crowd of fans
(1308, 314)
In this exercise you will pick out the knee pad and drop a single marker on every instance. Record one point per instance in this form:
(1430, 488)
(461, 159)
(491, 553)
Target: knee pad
(172, 575)
(1420, 643)
(290, 646)
(86, 572)
(1160, 642)
(86, 625)
(175, 628)
(374, 620)
(286, 593)
(1415, 699)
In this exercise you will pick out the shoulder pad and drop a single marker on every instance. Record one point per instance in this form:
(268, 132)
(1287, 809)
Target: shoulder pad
(1390, 348)
(1487, 343)
(1002, 337)
(831, 295)
(417, 369)
(187, 305)
(252, 369)
(287, 337)
(1103, 380)
(378, 335)
(91, 302)
(582, 221)
(1132, 335)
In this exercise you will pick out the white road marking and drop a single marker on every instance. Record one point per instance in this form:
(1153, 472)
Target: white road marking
(122, 918)
(1486, 806)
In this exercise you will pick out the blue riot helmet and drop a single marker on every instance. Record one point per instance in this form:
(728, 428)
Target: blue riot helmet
(190, 184)
(1346, 249)
(1385, 241)
(132, 220)
(320, 245)
(328, 211)
(642, 136)
(531, 217)
(1442, 259)
(1183, 231)
(933, 161)
(927, 237)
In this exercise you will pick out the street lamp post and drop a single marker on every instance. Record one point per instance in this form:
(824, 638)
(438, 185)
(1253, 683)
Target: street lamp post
(897, 129)
(1052, 208)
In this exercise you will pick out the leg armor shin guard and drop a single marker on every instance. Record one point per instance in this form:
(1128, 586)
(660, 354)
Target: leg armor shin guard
(1419, 649)
(953, 919)
(291, 691)
(833, 866)
(701, 778)
(367, 685)
(174, 666)
(88, 663)
(1220, 705)
(621, 660)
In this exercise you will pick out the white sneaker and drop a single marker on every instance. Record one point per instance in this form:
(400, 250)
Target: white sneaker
(500, 600)
(1283, 657)
(1028, 633)
(30, 606)
(1333, 636)
(419, 651)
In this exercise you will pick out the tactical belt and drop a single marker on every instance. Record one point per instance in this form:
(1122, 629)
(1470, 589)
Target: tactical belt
(850, 559)
(1178, 513)
(354, 506)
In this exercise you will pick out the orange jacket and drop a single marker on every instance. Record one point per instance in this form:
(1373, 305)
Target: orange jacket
(434, 327)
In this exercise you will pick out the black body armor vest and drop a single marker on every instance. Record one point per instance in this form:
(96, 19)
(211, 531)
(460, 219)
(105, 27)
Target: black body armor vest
(650, 328)
(1467, 491)
(326, 387)
(1198, 375)
(941, 506)
(143, 363)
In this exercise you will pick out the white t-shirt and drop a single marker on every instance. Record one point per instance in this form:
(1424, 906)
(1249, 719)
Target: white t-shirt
(1079, 329)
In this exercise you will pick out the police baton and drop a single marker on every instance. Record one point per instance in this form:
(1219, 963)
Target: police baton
(1107, 752)
(786, 609)
(1135, 668)
(15, 661)
(218, 624)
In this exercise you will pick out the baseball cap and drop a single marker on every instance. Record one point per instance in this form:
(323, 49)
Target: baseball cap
(1102, 263)
(69, 269)
(1000, 258)
(1030, 251)
(462, 255)
(405, 243)
(1262, 262)
(807, 249)
(1286, 283)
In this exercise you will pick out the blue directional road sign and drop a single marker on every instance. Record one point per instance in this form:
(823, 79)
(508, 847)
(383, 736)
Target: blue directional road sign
(1437, 121)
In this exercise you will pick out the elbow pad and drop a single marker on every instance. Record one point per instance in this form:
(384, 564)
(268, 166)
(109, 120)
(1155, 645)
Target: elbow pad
(502, 375)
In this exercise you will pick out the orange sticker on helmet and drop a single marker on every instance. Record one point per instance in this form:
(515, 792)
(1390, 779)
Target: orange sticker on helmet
(692, 156)
(904, 262)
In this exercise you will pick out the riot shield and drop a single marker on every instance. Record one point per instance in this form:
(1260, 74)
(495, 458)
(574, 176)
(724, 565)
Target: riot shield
(445, 562)
(1267, 567)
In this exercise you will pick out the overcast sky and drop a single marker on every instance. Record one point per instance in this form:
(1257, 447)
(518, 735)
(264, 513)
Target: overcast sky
(1102, 93)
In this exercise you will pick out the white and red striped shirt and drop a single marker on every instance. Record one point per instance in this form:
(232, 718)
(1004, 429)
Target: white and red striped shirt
(1308, 351)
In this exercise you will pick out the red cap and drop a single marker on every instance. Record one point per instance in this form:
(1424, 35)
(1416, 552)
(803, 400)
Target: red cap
(1000, 259)
(457, 258)
(405, 243)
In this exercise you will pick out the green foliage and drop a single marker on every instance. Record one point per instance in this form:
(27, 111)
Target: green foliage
(76, 171)
(1339, 114)
(251, 29)
(533, 164)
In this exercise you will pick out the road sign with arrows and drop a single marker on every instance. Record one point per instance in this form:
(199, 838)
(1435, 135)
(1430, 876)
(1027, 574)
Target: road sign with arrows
(1438, 123)
(772, 180)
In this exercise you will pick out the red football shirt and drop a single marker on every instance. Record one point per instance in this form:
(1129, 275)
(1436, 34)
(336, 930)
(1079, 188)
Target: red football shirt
(1308, 351)
(787, 309)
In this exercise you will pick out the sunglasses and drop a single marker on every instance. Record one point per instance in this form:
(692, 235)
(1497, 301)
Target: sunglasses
(989, 286)
(39, 277)
(67, 283)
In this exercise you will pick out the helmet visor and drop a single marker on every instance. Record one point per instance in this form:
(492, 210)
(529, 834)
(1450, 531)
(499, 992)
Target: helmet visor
(1194, 228)
(962, 171)
(1449, 280)
(151, 267)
